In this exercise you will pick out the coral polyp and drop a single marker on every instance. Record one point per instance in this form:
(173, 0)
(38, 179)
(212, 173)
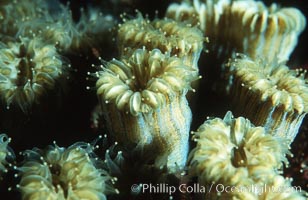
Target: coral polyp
(58, 31)
(28, 68)
(269, 32)
(140, 94)
(17, 12)
(62, 31)
(167, 35)
(184, 12)
(63, 173)
(269, 94)
(232, 151)
(248, 27)
(142, 82)
(93, 27)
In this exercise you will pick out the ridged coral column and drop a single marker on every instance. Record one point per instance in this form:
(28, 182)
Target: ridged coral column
(144, 103)
(269, 94)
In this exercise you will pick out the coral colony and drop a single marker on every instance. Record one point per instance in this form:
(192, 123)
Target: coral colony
(144, 74)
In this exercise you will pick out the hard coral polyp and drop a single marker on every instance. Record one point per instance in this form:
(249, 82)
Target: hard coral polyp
(143, 98)
(28, 69)
(167, 35)
(269, 94)
(58, 173)
(248, 27)
(233, 152)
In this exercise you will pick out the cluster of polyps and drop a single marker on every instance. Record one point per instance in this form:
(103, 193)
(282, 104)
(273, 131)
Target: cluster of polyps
(144, 93)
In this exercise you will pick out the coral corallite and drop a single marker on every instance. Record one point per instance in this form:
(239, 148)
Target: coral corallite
(248, 27)
(58, 173)
(233, 152)
(27, 70)
(269, 94)
(143, 98)
(238, 144)
(167, 35)
(270, 32)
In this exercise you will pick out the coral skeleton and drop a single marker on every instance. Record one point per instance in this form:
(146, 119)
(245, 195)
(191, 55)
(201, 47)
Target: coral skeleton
(269, 94)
